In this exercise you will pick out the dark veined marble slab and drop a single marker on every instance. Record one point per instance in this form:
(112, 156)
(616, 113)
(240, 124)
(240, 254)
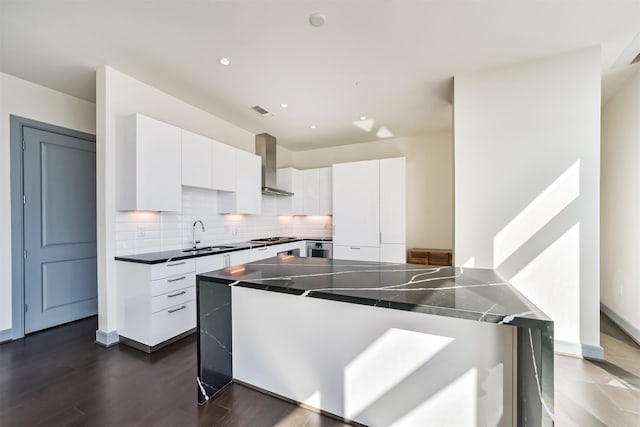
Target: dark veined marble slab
(472, 294)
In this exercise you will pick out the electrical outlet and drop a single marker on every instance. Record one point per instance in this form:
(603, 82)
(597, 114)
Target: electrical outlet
(141, 232)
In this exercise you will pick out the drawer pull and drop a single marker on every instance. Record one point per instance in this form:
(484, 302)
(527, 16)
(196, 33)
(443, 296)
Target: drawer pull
(177, 263)
(263, 249)
(177, 278)
(353, 248)
(177, 309)
(176, 294)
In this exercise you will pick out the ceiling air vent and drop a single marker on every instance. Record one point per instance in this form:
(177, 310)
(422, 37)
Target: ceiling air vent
(258, 109)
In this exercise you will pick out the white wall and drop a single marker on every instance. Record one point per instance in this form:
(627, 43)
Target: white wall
(527, 169)
(117, 95)
(620, 209)
(25, 99)
(429, 180)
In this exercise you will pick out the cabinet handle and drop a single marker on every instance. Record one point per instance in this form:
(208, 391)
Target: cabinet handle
(262, 249)
(175, 295)
(177, 309)
(177, 278)
(352, 247)
(177, 263)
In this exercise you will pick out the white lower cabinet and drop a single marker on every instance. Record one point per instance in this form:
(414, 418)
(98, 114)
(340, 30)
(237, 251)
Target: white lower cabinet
(216, 262)
(156, 302)
(263, 252)
(356, 253)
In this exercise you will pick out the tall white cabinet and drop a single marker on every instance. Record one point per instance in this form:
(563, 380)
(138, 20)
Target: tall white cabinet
(369, 210)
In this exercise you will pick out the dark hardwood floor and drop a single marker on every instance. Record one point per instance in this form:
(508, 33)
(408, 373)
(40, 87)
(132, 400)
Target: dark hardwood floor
(59, 377)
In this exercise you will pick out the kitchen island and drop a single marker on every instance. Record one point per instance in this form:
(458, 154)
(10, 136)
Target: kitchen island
(378, 343)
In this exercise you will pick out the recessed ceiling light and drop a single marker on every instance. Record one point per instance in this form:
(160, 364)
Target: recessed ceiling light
(283, 105)
(224, 61)
(317, 20)
(312, 126)
(363, 118)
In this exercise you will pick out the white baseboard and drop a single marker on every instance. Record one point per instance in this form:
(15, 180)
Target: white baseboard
(107, 339)
(623, 323)
(5, 335)
(578, 350)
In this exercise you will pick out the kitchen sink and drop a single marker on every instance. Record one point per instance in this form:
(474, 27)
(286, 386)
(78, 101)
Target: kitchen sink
(208, 249)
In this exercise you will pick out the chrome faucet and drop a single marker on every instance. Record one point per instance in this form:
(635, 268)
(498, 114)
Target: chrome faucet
(195, 242)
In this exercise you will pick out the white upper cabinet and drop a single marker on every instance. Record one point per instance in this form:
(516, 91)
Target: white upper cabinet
(196, 160)
(207, 163)
(324, 205)
(247, 199)
(310, 191)
(148, 165)
(393, 200)
(356, 204)
(290, 179)
(223, 160)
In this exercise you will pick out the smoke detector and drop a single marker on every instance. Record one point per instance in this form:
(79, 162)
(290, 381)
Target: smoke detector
(317, 20)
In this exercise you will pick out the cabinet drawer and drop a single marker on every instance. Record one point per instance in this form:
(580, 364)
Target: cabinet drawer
(172, 268)
(356, 253)
(170, 284)
(169, 299)
(172, 321)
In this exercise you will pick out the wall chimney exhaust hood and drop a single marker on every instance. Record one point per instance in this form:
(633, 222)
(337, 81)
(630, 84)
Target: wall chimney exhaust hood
(266, 149)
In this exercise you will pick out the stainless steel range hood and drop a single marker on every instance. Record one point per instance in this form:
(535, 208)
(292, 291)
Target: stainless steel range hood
(266, 148)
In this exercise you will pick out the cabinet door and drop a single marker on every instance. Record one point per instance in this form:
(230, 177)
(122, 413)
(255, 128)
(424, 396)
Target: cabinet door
(238, 257)
(223, 160)
(159, 173)
(356, 253)
(393, 201)
(290, 179)
(324, 204)
(393, 253)
(247, 199)
(149, 167)
(209, 263)
(248, 185)
(311, 192)
(196, 160)
(257, 254)
(356, 203)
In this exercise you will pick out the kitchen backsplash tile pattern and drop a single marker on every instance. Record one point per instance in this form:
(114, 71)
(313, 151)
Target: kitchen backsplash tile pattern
(140, 232)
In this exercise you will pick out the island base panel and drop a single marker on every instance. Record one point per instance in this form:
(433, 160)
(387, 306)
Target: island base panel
(214, 339)
(374, 365)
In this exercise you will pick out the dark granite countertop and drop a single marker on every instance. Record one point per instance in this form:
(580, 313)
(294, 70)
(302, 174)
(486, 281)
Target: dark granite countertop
(474, 294)
(177, 254)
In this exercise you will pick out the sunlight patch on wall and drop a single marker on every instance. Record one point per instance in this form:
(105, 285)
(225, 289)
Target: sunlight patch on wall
(454, 405)
(558, 267)
(393, 357)
(556, 197)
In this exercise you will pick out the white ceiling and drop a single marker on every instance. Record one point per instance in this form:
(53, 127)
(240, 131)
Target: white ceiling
(391, 61)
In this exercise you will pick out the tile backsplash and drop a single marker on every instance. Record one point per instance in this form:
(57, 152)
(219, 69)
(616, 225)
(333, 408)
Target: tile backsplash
(140, 232)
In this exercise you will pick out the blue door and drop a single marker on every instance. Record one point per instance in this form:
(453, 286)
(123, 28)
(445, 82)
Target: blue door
(59, 229)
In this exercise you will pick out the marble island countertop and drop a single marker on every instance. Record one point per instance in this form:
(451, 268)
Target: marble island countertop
(477, 296)
(474, 294)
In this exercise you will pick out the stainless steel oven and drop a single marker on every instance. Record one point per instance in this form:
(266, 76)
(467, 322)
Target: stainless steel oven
(320, 249)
